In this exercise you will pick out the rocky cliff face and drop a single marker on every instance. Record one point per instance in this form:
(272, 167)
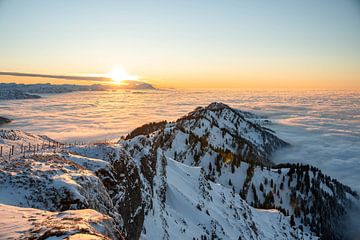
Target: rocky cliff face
(205, 176)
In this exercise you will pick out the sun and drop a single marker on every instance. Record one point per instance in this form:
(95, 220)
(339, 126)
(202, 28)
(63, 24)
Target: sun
(119, 74)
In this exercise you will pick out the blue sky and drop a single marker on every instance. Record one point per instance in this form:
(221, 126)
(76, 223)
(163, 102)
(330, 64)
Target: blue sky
(177, 43)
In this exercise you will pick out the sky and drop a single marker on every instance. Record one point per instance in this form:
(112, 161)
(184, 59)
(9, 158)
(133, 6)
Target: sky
(309, 44)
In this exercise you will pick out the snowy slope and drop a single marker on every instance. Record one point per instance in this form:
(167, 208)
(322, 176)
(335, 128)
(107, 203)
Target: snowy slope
(234, 151)
(30, 223)
(179, 202)
(205, 176)
(20, 141)
(50, 182)
(193, 207)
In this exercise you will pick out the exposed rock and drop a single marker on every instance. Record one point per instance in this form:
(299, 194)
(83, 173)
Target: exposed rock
(4, 120)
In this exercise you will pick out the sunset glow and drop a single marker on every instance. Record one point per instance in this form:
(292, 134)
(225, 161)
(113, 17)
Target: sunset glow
(251, 45)
(119, 74)
(180, 119)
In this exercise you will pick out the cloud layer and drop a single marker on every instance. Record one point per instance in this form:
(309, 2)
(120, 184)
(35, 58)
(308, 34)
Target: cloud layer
(64, 77)
(323, 128)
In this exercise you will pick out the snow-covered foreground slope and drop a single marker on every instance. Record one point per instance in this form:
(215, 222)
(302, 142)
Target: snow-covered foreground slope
(205, 176)
(16, 142)
(30, 223)
(194, 206)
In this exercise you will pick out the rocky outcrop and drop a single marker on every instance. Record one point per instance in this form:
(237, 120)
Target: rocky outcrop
(125, 183)
(4, 120)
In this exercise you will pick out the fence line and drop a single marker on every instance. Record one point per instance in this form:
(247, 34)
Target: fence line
(26, 150)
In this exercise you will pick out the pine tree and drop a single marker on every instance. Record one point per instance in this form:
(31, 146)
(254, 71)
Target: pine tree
(261, 187)
(292, 220)
(255, 194)
(269, 200)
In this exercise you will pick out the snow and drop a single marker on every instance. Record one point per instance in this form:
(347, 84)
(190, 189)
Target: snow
(25, 223)
(196, 207)
(180, 201)
(89, 163)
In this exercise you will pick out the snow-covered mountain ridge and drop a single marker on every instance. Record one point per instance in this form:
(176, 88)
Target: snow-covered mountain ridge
(206, 176)
(234, 150)
(9, 94)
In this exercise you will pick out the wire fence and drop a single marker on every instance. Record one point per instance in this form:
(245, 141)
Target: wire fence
(8, 152)
(29, 149)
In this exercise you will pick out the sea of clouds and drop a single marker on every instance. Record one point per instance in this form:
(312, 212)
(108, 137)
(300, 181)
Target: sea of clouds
(323, 127)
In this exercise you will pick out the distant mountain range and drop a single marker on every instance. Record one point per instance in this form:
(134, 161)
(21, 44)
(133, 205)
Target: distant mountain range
(207, 175)
(29, 91)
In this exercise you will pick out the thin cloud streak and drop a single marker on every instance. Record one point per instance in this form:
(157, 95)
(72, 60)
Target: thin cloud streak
(65, 77)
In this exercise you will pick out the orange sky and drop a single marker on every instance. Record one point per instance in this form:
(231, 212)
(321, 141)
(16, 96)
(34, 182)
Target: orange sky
(251, 80)
(186, 44)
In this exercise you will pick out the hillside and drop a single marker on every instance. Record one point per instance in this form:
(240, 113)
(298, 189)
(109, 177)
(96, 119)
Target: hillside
(207, 175)
(234, 150)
